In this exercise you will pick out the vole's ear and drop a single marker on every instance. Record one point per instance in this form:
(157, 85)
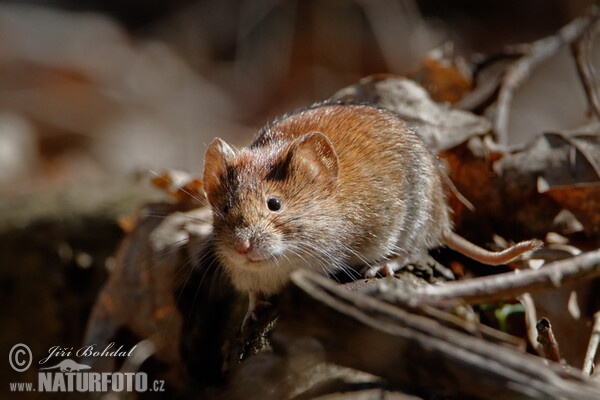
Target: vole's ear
(215, 164)
(318, 157)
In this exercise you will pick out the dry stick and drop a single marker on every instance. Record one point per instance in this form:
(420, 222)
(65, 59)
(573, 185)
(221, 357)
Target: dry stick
(547, 340)
(512, 284)
(485, 88)
(592, 346)
(530, 321)
(519, 71)
(582, 52)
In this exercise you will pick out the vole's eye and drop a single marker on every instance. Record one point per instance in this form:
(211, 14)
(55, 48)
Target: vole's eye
(274, 204)
(226, 208)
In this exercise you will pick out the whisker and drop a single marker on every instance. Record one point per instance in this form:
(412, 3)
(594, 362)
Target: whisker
(192, 195)
(181, 214)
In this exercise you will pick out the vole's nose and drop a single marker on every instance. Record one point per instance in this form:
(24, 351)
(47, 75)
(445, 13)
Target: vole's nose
(243, 246)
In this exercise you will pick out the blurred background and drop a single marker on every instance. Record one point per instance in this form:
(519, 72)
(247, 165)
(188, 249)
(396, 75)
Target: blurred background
(94, 89)
(96, 92)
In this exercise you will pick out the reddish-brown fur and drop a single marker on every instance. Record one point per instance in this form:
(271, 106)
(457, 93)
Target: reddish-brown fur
(368, 189)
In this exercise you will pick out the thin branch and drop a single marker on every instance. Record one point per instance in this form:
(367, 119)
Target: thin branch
(512, 284)
(582, 52)
(530, 322)
(520, 70)
(592, 346)
(546, 339)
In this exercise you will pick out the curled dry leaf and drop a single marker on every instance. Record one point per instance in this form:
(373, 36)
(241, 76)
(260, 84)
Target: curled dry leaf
(440, 126)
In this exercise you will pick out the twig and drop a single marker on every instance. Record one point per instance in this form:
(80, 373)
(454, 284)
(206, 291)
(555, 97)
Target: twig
(530, 321)
(520, 70)
(582, 51)
(488, 80)
(546, 339)
(510, 285)
(592, 346)
(482, 61)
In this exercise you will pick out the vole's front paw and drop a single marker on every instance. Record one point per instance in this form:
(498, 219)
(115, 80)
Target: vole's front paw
(384, 268)
(260, 308)
(423, 264)
(256, 306)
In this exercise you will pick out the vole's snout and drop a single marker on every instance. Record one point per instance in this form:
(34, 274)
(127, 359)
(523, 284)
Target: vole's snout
(251, 244)
(243, 245)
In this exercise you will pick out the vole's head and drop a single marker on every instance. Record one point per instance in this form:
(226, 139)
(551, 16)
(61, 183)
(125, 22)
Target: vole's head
(271, 201)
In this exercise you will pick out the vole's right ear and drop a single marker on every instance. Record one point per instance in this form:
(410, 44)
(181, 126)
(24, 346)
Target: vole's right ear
(317, 158)
(216, 161)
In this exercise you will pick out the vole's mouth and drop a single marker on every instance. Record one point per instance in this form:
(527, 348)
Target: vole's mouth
(253, 260)
(249, 261)
(255, 257)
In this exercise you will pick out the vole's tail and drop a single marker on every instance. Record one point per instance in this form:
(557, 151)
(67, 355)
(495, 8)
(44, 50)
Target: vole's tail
(471, 250)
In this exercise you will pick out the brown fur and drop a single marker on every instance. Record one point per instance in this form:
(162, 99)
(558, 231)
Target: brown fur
(361, 187)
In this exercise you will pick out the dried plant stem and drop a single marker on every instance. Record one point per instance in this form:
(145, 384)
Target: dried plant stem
(530, 321)
(545, 337)
(588, 363)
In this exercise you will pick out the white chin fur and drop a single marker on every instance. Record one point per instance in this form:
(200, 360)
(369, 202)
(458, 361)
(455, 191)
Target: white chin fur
(266, 279)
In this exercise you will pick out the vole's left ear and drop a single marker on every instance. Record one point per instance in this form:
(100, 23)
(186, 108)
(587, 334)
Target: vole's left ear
(316, 153)
(216, 161)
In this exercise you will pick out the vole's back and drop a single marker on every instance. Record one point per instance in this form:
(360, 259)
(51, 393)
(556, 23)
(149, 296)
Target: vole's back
(389, 195)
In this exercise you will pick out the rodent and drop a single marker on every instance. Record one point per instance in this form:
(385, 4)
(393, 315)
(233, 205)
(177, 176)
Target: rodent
(324, 188)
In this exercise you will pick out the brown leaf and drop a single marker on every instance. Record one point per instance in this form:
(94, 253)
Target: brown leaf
(445, 78)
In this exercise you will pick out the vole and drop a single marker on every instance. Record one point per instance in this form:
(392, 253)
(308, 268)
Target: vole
(325, 188)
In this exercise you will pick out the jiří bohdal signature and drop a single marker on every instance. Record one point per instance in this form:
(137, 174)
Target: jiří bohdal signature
(85, 351)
